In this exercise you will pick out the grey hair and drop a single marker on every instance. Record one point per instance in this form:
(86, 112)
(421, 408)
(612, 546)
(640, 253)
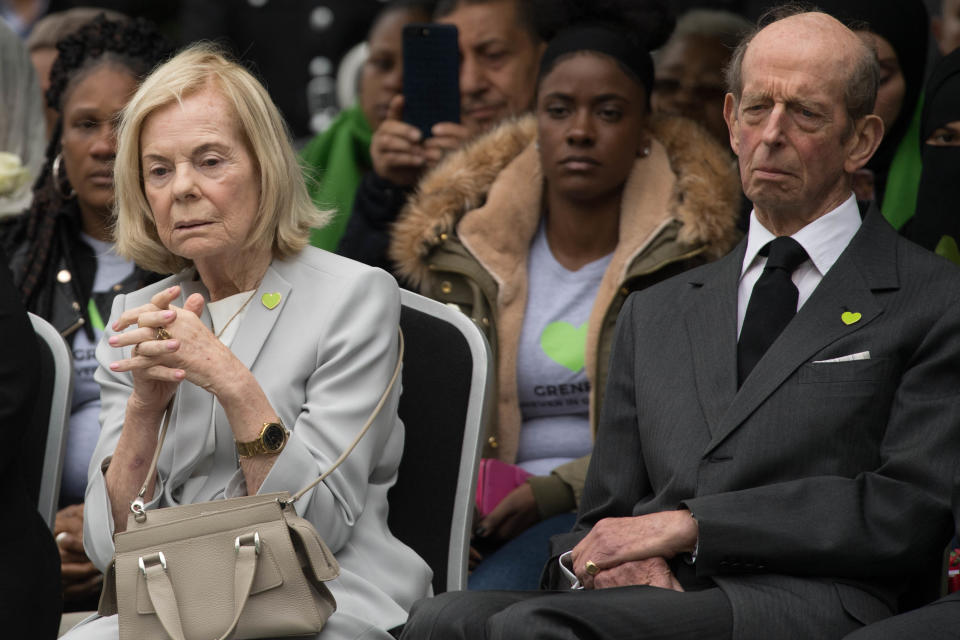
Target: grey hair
(860, 93)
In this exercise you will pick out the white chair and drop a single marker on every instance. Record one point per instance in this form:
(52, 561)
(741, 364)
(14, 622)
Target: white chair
(50, 417)
(445, 406)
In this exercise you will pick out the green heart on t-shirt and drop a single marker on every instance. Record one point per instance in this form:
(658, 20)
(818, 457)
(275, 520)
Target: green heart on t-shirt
(565, 344)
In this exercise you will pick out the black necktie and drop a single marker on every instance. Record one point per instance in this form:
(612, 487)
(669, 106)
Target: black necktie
(773, 303)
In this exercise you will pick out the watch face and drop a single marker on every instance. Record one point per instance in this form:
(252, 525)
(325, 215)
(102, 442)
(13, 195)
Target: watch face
(273, 437)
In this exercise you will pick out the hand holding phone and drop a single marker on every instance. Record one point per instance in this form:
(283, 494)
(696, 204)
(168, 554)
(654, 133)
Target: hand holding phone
(422, 125)
(396, 148)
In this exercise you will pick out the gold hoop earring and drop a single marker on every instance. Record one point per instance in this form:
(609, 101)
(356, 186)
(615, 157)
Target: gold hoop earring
(55, 169)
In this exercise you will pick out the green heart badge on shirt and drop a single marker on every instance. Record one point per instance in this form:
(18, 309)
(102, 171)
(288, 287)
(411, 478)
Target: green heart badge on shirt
(565, 344)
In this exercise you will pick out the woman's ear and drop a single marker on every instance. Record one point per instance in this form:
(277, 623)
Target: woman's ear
(646, 139)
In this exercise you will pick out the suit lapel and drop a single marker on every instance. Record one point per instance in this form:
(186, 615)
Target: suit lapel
(712, 327)
(258, 320)
(868, 263)
(194, 443)
(255, 327)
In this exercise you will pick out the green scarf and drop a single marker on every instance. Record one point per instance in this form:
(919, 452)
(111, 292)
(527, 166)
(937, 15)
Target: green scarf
(333, 164)
(900, 197)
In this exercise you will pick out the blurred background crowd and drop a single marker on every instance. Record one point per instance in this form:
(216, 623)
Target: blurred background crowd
(334, 70)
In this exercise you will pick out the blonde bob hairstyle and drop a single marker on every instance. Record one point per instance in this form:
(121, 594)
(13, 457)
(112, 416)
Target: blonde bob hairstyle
(285, 213)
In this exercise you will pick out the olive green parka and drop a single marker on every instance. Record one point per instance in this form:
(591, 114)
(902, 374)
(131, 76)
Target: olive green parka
(465, 236)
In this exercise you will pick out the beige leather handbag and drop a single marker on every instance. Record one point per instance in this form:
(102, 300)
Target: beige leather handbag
(241, 568)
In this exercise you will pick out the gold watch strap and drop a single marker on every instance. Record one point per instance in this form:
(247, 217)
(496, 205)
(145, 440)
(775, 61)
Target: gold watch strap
(249, 449)
(256, 447)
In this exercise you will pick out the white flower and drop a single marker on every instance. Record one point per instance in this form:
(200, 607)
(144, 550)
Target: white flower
(13, 174)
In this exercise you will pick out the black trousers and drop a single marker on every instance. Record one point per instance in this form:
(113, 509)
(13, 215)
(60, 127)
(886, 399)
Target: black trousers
(628, 613)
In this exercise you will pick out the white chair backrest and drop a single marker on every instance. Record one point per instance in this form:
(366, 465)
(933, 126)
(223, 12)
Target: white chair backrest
(56, 440)
(477, 414)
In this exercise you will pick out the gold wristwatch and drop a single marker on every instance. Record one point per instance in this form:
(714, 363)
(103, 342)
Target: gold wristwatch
(272, 439)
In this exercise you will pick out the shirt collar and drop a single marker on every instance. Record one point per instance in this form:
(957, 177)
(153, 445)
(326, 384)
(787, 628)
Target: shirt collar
(824, 239)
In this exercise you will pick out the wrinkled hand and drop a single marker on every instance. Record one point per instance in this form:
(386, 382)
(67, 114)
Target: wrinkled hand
(396, 149)
(515, 513)
(615, 541)
(192, 353)
(78, 577)
(654, 572)
(153, 384)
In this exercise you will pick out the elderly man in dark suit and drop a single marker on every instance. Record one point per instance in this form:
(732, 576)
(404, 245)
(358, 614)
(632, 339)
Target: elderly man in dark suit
(780, 427)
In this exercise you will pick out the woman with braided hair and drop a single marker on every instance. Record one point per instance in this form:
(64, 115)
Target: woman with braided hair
(61, 248)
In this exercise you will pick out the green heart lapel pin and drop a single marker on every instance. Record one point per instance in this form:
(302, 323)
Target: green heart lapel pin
(851, 317)
(270, 300)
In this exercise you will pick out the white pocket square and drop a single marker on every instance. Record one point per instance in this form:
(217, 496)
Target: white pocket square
(863, 355)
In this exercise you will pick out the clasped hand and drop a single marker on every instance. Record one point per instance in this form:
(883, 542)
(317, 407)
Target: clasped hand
(634, 550)
(159, 365)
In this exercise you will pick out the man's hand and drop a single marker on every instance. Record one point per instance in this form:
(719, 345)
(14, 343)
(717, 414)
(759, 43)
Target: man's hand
(445, 137)
(515, 513)
(614, 541)
(395, 148)
(78, 577)
(653, 572)
(400, 155)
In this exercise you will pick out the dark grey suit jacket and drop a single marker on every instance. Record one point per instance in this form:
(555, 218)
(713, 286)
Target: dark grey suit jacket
(813, 480)
(937, 621)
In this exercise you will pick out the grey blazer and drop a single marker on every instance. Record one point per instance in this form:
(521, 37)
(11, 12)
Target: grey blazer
(323, 356)
(815, 481)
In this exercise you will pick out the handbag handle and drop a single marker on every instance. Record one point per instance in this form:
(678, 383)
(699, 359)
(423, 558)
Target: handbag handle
(136, 506)
(160, 589)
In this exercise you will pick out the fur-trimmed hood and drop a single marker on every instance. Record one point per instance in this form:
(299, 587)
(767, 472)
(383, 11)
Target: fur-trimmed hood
(704, 198)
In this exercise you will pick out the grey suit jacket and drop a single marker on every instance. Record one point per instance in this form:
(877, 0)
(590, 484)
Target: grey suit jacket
(937, 621)
(323, 356)
(812, 478)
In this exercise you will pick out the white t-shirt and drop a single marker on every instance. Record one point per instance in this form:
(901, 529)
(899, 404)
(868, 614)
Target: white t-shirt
(85, 407)
(552, 384)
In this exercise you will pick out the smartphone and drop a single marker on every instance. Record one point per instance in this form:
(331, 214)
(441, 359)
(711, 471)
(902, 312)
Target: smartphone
(431, 75)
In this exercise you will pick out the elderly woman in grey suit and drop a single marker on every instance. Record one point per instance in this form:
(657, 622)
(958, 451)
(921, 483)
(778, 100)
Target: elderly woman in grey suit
(275, 352)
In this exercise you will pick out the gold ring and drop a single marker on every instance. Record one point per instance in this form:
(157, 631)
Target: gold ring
(591, 568)
(163, 334)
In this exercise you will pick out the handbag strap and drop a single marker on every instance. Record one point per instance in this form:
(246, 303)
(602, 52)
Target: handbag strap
(137, 506)
(164, 599)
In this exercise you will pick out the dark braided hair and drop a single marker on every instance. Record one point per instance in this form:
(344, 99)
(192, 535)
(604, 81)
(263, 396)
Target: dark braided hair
(43, 231)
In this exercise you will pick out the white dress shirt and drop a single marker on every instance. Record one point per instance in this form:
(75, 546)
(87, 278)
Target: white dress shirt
(824, 240)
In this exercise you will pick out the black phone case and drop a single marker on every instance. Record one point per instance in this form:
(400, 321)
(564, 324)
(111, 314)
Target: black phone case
(431, 75)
